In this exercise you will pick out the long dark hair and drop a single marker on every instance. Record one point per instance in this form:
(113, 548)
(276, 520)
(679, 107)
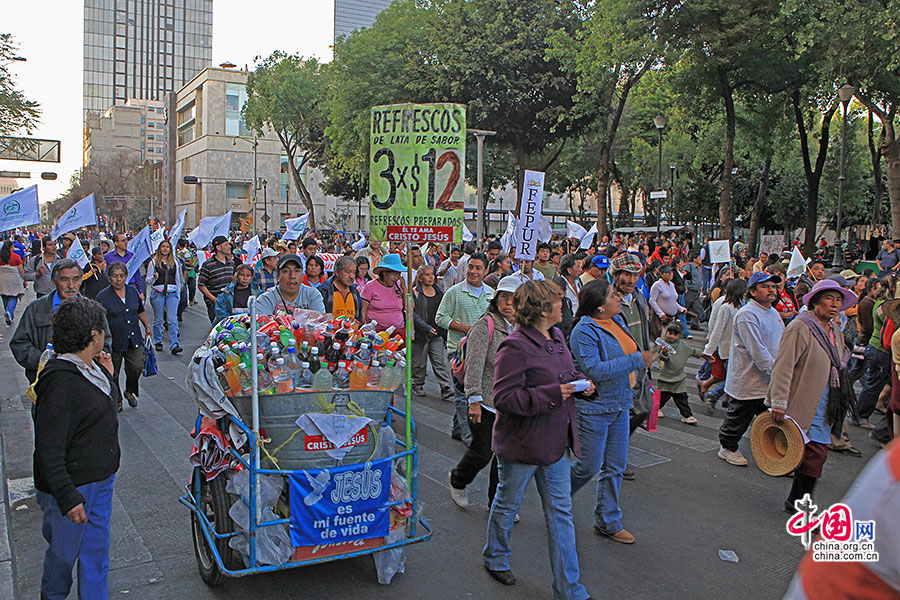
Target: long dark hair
(735, 290)
(6, 252)
(592, 296)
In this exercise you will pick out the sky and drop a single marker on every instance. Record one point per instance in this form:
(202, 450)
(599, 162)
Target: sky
(53, 48)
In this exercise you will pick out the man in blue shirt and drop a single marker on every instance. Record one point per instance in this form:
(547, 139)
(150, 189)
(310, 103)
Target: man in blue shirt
(887, 259)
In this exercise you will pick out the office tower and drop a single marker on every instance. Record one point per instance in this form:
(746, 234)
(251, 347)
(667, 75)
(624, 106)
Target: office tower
(350, 15)
(142, 49)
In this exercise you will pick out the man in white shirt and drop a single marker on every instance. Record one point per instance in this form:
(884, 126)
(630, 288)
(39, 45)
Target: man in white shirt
(448, 269)
(527, 272)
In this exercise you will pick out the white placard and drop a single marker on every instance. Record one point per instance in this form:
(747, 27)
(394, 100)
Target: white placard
(529, 222)
(719, 252)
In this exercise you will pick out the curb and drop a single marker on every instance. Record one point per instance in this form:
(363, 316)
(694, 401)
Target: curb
(8, 588)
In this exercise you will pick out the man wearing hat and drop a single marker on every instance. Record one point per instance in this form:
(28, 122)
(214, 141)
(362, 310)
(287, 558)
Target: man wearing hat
(599, 266)
(215, 274)
(266, 272)
(756, 335)
(626, 272)
(67, 241)
(289, 293)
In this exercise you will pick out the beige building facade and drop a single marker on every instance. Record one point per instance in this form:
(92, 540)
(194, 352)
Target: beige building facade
(138, 128)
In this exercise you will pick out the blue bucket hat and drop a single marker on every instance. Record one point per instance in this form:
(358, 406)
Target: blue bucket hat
(390, 262)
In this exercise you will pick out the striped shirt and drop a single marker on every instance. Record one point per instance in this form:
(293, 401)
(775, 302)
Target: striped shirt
(463, 304)
(216, 275)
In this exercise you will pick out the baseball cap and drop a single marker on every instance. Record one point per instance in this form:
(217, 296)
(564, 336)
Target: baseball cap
(762, 277)
(600, 261)
(626, 262)
(509, 284)
(218, 240)
(289, 258)
(267, 252)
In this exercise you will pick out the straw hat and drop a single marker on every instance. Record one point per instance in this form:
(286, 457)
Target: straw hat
(777, 447)
(891, 309)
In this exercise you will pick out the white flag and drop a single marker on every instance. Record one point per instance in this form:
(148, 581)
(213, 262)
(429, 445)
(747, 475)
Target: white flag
(156, 238)
(140, 247)
(588, 237)
(253, 250)
(358, 244)
(574, 231)
(20, 209)
(545, 233)
(210, 227)
(175, 232)
(508, 240)
(467, 235)
(295, 227)
(76, 253)
(82, 214)
(797, 264)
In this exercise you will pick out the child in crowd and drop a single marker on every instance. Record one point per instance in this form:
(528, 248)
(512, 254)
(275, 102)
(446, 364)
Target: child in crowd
(671, 378)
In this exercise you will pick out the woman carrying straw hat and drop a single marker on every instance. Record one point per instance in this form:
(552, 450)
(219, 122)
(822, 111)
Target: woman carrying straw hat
(809, 382)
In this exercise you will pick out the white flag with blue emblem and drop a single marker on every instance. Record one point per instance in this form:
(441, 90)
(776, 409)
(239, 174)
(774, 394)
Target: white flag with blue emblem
(77, 253)
(588, 238)
(358, 244)
(209, 228)
(295, 227)
(82, 214)
(253, 250)
(140, 247)
(156, 238)
(574, 231)
(20, 209)
(175, 232)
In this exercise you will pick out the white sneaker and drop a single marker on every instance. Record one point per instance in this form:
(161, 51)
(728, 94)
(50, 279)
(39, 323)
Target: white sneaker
(659, 414)
(732, 458)
(459, 497)
(692, 420)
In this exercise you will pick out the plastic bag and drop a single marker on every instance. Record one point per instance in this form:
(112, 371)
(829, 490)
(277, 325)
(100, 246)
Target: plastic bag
(273, 544)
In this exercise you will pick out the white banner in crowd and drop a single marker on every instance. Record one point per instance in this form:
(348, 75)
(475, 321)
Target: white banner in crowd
(358, 244)
(295, 227)
(574, 231)
(771, 244)
(175, 232)
(529, 215)
(797, 264)
(209, 228)
(588, 238)
(82, 214)
(467, 236)
(140, 246)
(508, 239)
(77, 253)
(253, 250)
(156, 238)
(141, 238)
(719, 252)
(20, 209)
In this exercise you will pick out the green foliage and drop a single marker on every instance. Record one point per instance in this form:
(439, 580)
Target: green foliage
(17, 113)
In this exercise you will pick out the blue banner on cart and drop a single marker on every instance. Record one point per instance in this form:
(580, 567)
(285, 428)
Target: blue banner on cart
(340, 504)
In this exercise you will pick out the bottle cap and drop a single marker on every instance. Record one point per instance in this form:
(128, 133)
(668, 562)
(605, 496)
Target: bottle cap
(279, 361)
(323, 364)
(374, 363)
(315, 350)
(220, 369)
(304, 364)
(335, 346)
(341, 365)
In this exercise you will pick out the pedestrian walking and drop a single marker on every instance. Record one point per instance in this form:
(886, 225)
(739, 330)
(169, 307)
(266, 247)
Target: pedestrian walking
(718, 344)
(755, 336)
(811, 347)
(235, 298)
(289, 294)
(190, 261)
(95, 279)
(482, 343)
(38, 268)
(124, 312)
(670, 381)
(76, 453)
(605, 351)
(535, 425)
(120, 253)
(12, 280)
(215, 274)
(430, 339)
(663, 301)
(164, 281)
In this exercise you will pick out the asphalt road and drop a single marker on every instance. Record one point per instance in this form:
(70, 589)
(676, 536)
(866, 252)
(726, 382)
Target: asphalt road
(684, 506)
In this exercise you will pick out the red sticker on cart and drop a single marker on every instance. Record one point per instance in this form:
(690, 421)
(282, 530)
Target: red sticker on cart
(315, 443)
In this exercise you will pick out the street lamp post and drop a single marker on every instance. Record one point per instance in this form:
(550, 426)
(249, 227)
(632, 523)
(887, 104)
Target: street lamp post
(660, 122)
(264, 185)
(480, 134)
(846, 94)
(255, 144)
(672, 166)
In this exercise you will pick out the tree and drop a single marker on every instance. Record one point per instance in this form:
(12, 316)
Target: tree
(285, 94)
(17, 113)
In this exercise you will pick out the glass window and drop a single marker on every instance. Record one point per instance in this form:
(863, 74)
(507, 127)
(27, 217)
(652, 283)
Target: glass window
(235, 98)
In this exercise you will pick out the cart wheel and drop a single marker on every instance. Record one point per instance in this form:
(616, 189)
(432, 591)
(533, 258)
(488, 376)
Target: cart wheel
(214, 502)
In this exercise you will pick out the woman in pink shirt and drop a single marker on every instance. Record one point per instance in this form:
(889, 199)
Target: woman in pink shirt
(383, 296)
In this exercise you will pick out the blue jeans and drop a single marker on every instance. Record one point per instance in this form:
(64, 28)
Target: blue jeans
(460, 411)
(604, 450)
(165, 302)
(553, 486)
(87, 543)
(717, 392)
(9, 305)
(707, 279)
(878, 365)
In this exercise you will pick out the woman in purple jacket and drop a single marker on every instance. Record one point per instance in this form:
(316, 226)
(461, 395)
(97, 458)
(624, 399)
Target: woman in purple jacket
(535, 423)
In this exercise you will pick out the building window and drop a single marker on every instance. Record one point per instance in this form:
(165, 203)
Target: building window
(150, 124)
(236, 192)
(235, 98)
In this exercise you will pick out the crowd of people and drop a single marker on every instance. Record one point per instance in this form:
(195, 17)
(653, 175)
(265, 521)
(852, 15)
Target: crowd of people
(550, 363)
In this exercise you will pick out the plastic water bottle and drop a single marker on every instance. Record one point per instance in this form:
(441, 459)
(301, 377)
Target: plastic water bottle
(284, 383)
(291, 362)
(388, 376)
(273, 365)
(364, 353)
(358, 377)
(373, 375)
(323, 380)
(239, 332)
(341, 376)
(264, 381)
(303, 377)
(46, 355)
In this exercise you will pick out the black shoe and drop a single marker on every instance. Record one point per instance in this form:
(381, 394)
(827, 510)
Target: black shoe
(158, 347)
(8, 319)
(132, 401)
(119, 407)
(456, 436)
(180, 319)
(628, 474)
(504, 577)
(177, 350)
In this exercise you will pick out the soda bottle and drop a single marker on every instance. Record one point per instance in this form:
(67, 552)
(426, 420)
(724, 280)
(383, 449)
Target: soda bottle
(272, 363)
(303, 377)
(285, 336)
(341, 376)
(373, 375)
(46, 355)
(314, 359)
(386, 334)
(264, 381)
(322, 380)
(349, 350)
(244, 352)
(239, 332)
(223, 381)
(389, 376)
(291, 362)
(232, 378)
(230, 354)
(363, 354)
(309, 337)
(245, 379)
(358, 377)
(284, 382)
(333, 356)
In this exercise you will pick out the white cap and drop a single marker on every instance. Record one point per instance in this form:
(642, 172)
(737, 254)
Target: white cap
(279, 361)
(304, 364)
(342, 365)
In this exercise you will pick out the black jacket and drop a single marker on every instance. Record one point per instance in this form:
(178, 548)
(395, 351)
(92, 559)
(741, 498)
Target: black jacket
(420, 314)
(76, 433)
(568, 310)
(327, 291)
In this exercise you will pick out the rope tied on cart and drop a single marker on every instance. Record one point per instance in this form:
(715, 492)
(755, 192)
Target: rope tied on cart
(325, 407)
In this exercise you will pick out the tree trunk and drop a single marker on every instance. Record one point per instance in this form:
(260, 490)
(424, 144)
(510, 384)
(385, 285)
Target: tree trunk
(304, 193)
(875, 154)
(756, 214)
(891, 152)
(727, 93)
(813, 174)
(602, 185)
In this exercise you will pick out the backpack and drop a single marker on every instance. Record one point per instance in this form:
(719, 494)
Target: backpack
(458, 360)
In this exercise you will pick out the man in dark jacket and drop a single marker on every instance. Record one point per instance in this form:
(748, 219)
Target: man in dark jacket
(342, 285)
(35, 330)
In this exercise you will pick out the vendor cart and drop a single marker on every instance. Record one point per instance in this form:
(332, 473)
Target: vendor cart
(274, 452)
